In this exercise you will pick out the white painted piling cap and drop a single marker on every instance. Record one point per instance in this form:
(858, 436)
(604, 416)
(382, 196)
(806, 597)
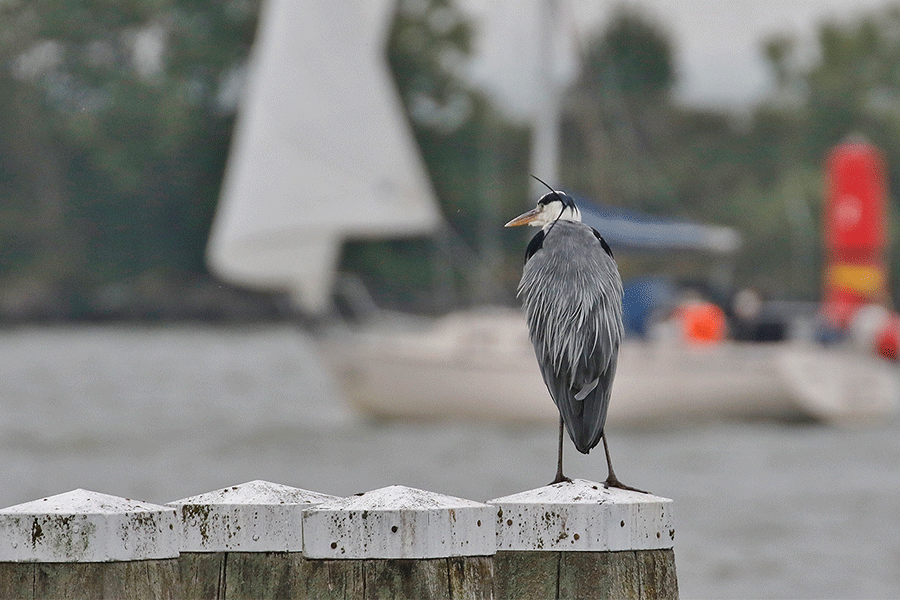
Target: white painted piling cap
(84, 526)
(399, 522)
(583, 516)
(257, 516)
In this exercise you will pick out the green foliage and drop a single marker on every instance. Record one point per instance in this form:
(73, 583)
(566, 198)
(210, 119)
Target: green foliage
(627, 144)
(633, 55)
(120, 100)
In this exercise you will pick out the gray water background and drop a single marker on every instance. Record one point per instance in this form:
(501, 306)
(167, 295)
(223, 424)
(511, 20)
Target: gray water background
(763, 509)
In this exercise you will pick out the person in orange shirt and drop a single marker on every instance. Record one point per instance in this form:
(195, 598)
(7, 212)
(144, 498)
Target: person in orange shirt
(702, 322)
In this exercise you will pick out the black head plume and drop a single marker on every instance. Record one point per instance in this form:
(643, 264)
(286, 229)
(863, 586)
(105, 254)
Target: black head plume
(565, 199)
(544, 183)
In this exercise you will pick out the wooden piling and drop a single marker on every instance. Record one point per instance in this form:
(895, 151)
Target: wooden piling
(581, 540)
(399, 542)
(262, 540)
(244, 541)
(84, 544)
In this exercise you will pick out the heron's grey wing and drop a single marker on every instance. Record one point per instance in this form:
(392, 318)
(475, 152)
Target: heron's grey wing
(582, 391)
(572, 295)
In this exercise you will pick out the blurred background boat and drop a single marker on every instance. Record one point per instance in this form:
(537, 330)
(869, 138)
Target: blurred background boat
(289, 201)
(480, 365)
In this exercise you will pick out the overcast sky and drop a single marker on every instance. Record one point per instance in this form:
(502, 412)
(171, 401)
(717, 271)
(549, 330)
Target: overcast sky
(718, 43)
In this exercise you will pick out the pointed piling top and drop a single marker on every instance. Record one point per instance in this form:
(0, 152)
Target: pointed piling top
(398, 522)
(86, 526)
(398, 497)
(583, 516)
(81, 501)
(257, 516)
(579, 491)
(256, 492)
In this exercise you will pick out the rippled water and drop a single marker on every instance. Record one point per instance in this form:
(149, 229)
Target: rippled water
(763, 510)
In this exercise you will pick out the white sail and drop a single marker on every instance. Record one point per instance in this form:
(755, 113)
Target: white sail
(321, 152)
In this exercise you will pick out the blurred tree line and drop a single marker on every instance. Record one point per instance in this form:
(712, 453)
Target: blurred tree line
(116, 117)
(115, 121)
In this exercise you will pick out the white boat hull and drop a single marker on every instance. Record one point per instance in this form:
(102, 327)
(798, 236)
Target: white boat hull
(482, 366)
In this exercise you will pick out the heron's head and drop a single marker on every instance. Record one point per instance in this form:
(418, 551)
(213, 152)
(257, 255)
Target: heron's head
(551, 207)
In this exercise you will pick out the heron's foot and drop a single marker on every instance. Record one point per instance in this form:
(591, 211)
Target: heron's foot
(613, 482)
(560, 478)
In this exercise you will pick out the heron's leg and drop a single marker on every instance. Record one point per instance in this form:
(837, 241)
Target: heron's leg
(611, 479)
(559, 471)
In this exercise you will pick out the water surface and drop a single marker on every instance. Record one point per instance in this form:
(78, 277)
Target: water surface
(763, 510)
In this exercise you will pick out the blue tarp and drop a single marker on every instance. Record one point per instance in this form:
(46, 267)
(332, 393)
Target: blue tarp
(642, 297)
(631, 229)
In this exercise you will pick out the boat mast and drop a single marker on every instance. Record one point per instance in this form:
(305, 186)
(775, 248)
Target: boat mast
(545, 145)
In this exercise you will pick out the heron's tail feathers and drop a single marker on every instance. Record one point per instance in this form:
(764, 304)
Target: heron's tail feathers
(582, 408)
(585, 439)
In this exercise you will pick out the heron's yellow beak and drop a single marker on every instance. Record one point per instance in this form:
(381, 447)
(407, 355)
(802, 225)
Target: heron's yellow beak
(525, 218)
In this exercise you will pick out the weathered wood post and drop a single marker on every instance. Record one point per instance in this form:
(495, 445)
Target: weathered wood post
(84, 544)
(243, 541)
(581, 540)
(399, 542)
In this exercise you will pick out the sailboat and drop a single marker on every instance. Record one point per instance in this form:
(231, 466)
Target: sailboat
(322, 152)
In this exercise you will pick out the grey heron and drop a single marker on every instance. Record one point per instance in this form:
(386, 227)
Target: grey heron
(571, 291)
